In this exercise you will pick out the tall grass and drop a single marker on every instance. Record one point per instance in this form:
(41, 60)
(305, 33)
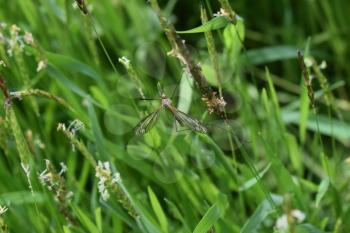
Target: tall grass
(271, 161)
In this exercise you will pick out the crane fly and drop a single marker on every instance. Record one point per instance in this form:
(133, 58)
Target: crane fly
(148, 122)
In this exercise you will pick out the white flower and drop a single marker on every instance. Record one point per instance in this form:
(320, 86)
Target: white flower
(107, 167)
(75, 126)
(298, 215)
(3, 210)
(282, 223)
(323, 65)
(116, 178)
(124, 60)
(3, 25)
(63, 168)
(43, 176)
(28, 38)
(105, 195)
(14, 30)
(61, 126)
(308, 61)
(222, 12)
(2, 63)
(69, 195)
(2, 37)
(41, 65)
(75, 5)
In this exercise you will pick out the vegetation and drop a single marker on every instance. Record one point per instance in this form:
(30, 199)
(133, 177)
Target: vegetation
(253, 138)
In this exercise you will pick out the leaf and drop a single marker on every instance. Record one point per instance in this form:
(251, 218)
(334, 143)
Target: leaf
(174, 210)
(322, 190)
(98, 218)
(66, 229)
(271, 54)
(61, 78)
(327, 126)
(213, 24)
(28, 8)
(118, 212)
(185, 95)
(260, 214)
(97, 132)
(209, 74)
(85, 220)
(294, 153)
(157, 208)
(208, 220)
(212, 215)
(65, 62)
(233, 38)
(318, 94)
(20, 198)
(307, 228)
(250, 183)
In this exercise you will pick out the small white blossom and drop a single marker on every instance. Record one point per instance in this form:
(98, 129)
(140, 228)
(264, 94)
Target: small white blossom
(222, 12)
(28, 38)
(75, 5)
(75, 126)
(323, 65)
(116, 178)
(3, 210)
(41, 65)
(39, 143)
(2, 63)
(10, 52)
(2, 37)
(104, 174)
(61, 126)
(63, 168)
(308, 61)
(124, 60)
(3, 25)
(282, 223)
(43, 176)
(298, 215)
(69, 195)
(14, 30)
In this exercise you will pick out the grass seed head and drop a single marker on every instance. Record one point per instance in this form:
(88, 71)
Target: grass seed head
(82, 6)
(307, 78)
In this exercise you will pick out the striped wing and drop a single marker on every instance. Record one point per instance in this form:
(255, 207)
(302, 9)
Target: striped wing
(188, 121)
(147, 123)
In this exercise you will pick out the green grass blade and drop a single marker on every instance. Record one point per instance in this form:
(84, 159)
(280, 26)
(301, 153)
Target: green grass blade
(213, 24)
(158, 210)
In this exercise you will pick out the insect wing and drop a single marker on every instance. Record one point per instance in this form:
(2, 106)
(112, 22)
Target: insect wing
(186, 120)
(147, 123)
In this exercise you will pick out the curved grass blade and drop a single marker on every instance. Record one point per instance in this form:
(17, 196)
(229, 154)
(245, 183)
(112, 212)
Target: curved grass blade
(147, 123)
(186, 120)
(214, 24)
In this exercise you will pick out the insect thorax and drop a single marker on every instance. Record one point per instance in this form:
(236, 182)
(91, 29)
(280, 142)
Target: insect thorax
(166, 101)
